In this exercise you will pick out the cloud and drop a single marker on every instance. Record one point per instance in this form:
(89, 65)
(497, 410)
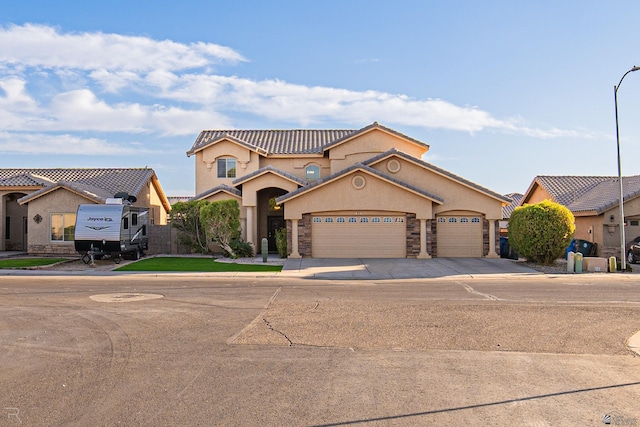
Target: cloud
(43, 46)
(42, 143)
(104, 83)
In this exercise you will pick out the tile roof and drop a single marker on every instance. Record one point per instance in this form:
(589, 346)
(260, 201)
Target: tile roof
(299, 141)
(269, 168)
(288, 142)
(508, 210)
(215, 190)
(98, 184)
(589, 193)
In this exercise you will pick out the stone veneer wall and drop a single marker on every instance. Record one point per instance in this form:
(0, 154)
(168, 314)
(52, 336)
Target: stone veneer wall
(413, 236)
(432, 242)
(67, 248)
(304, 236)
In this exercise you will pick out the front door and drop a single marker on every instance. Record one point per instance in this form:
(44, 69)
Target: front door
(274, 223)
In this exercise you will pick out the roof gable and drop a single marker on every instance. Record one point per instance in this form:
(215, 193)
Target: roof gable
(362, 168)
(375, 126)
(219, 189)
(586, 193)
(435, 169)
(266, 170)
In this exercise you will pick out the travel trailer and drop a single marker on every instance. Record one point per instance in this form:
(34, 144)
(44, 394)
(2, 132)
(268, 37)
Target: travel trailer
(115, 229)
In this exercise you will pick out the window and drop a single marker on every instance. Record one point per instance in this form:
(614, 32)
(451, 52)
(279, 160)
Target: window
(226, 167)
(453, 220)
(475, 220)
(312, 172)
(399, 219)
(63, 227)
(464, 220)
(441, 219)
(317, 219)
(375, 219)
(387, 219)
(134, 220)
(328, 219)
(340, 219)
(353, 219)
(364, 219)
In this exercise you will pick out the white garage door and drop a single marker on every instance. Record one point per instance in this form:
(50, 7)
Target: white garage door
(358, 236)
(459, 236)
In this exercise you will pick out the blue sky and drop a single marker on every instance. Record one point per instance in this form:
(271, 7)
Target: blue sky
(502, 91)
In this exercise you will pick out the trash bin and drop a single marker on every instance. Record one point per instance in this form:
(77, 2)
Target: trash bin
(584, 247)
(506, 251)
(570, 248)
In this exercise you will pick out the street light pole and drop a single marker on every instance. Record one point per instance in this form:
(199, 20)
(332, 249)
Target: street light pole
(623, 255)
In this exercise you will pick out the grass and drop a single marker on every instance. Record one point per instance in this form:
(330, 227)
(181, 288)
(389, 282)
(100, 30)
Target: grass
(28, 262)
(205, 265)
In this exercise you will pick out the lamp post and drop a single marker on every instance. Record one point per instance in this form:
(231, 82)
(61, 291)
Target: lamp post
(623, 255)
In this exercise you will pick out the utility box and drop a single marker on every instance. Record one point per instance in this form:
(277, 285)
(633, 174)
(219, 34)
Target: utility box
(578, 262)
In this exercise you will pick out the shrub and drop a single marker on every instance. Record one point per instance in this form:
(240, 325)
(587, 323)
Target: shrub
(542, 231)
(241, 249)
(281, 242)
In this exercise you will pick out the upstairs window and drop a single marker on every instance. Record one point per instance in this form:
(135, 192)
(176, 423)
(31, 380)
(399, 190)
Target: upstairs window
(312, 172)
(226, 167)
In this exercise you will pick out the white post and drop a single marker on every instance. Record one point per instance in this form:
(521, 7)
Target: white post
(294, 240)
(423, 240)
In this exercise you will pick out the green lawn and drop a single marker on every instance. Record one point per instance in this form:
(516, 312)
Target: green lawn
(194, 265)
(28, 262)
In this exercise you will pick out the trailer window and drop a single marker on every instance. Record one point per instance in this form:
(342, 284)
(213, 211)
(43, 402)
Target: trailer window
(63, 227)
(125, 222)
(134, 219)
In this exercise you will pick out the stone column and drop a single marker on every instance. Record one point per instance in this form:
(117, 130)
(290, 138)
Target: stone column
(249, 226)
(423, 240)
(492, 240)
(294, 240)
(2, 222)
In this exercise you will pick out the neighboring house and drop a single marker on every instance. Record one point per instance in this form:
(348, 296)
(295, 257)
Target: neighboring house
(594, 201)
(507, 211)
(38, 206)
(346, 193)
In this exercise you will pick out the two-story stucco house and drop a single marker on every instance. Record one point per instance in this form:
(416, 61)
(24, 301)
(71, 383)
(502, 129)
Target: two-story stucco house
(346, 193)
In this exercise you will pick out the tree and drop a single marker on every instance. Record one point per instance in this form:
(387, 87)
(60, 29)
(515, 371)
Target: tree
(185, 216)
(221, 221)
(542, 231)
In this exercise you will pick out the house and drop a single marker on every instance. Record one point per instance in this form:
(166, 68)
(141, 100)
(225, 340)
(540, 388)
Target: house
(346, 193)
(39, 205)
(594, 201)
(507, 211)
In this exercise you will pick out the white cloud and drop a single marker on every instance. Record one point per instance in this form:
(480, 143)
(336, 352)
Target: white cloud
(95, 82)
(42, 143)
(43, 46)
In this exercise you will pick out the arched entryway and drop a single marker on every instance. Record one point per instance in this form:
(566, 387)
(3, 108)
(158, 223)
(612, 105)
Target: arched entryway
(14, 223)
(270, 217)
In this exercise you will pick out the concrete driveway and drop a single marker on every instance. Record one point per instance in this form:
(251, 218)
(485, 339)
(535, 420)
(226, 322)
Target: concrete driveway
(401, 268)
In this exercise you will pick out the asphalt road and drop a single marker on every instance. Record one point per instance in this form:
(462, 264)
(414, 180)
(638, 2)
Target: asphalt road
(199, 350)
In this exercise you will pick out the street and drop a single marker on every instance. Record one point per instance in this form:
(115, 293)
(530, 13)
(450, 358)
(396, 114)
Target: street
(203, 350)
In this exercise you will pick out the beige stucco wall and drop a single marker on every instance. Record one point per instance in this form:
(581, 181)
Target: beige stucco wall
(537, 195)
(58, 201)
(206, 167)
(267, 180)
(456, 196)
(149, 197)
(367, 145)
(377, 195)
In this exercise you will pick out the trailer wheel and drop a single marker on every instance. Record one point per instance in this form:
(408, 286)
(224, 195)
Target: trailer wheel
(117, 259)
(137, 254)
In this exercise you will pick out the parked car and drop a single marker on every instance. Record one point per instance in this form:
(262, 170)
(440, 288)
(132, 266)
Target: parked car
(633, 251)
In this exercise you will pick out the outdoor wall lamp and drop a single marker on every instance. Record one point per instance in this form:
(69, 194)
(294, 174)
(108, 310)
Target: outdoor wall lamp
(623, 255)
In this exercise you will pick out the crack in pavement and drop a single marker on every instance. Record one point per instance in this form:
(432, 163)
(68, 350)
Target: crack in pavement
(469, 289)
(266, 322)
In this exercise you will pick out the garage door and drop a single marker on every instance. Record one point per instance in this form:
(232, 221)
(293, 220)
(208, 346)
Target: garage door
(358, 236)
(459, 236)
